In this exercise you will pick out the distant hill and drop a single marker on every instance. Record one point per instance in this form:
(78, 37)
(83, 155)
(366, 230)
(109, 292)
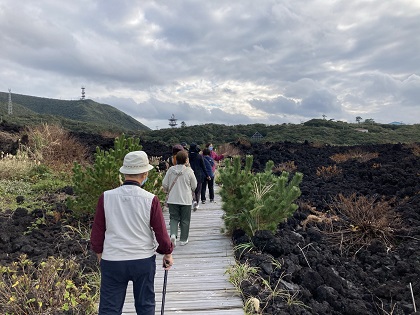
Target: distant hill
(316, 131)
(74, 115)
(93, 117)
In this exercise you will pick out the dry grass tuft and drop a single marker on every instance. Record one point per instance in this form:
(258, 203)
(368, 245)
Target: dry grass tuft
(228, 149)
(356, 154)
(364, 220)
(327, 172)
(110, 134)
(317, 144)
(7, 136)
(415, 148)
(155, 160)
(288, 166)
(16, 166)
(54, 147)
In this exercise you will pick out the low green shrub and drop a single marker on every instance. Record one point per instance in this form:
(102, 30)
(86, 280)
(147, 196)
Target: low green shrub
(258, 201)
(89, 182)
(56, 284)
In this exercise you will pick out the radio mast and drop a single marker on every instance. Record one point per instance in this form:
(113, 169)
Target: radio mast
(172, 121)
(83, 94)
(10, 104)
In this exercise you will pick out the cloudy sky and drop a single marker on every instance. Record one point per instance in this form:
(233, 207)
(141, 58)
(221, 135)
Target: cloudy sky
(227, 62)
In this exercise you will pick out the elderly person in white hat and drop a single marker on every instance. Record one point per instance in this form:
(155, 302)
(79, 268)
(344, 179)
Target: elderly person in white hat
(128, 222)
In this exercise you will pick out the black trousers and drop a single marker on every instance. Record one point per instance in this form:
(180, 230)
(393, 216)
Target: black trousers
(210, 183)
(198, 191)
(115, 276)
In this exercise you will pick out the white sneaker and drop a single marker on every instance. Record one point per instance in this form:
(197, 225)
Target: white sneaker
(195, 205)
(183, 243)
(173, 239)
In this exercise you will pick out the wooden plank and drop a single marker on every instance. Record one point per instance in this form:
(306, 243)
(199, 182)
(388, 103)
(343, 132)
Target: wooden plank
(197, 283)
(223, 311)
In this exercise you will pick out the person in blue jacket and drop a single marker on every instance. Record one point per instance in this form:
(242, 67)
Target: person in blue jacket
(200, 172)
(209, 163)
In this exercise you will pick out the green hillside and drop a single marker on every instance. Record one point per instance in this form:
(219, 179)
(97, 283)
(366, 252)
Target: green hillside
(78, 114)
(315, 131)
(93, 117)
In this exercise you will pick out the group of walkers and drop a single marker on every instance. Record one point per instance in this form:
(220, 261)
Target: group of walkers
(185, 186)
(129, 226)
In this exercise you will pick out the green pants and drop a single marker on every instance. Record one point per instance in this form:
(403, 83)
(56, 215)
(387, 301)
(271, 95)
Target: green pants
(180, 215)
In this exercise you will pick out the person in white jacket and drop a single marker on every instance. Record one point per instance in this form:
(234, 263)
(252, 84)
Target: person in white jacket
(179, 183)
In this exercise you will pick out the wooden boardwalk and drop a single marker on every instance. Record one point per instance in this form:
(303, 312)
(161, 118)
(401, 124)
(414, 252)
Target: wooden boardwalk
(197, 283)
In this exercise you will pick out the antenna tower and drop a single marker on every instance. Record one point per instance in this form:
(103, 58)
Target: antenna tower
(83, 94)
(172, 121)
(10, 105)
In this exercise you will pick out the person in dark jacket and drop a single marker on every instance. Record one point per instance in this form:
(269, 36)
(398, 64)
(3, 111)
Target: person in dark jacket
(200, 172)
(209, 162)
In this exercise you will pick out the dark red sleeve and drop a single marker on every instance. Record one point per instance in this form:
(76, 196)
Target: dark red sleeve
(97, 235)
(157, 222)
(219, 157)
(216, 157)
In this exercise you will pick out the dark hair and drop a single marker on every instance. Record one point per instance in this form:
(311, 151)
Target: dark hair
(208, 144)
(176, 148)
(206, 151)
(181, 157)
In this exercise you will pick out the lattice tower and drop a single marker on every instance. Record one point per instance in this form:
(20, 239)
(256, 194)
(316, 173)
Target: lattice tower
(172, 121)
(83, 94)
(10, 104)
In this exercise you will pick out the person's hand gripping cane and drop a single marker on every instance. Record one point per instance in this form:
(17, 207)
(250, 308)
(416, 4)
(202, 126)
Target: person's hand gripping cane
(167, 264)
(168, 261)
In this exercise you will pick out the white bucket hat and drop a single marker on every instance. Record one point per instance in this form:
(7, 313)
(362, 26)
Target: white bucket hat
(135, 162)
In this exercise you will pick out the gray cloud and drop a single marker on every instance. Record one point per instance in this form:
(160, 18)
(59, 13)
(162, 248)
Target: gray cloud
(159, 111)
(279, 105)
(217, 61)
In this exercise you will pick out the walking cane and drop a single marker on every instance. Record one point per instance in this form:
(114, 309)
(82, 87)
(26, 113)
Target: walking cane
(165, 279)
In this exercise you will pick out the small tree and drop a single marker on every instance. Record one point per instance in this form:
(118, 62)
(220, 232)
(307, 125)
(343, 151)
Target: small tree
(358, 119)
(232, 177)
(259, 201)
(90, 182)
